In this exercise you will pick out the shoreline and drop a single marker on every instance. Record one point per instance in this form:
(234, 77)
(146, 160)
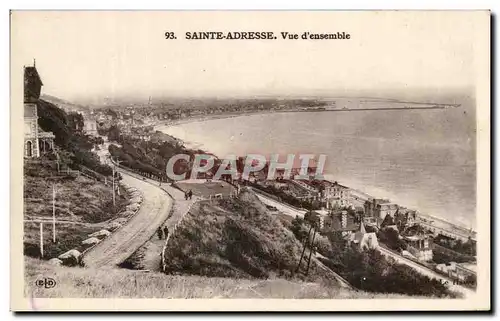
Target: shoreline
(197, 119)
(200, 145)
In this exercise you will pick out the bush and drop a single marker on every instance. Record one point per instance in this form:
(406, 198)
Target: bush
(371, 271)
(298, 228)
(391, 238)
(68, 136)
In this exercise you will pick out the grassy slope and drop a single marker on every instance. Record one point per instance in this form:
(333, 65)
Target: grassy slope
(83, 201)
(76, 282)
(236, 238)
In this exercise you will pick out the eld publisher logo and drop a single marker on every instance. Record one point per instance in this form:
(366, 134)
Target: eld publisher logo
(46, 283)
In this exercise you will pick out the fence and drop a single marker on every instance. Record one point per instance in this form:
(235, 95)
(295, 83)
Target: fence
(277, 199)
(171, 232)
(87, 250)
(93, 174)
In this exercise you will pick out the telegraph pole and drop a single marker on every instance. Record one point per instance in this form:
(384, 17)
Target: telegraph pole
(311, 249)
(54, 213)
(41, 240)
(114, 201)
(114, 189)
(304, 249)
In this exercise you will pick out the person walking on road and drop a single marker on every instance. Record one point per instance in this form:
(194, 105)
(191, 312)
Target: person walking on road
(190, 194)
(160, 233)
(165, 232)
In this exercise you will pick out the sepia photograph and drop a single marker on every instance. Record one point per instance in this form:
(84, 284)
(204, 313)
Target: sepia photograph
(250, 160)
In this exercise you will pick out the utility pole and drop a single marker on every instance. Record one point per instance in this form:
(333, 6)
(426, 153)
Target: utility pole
(114, 200)
(54, 213)
(304, 249)
(311, 249)
(41, 240)
(114, 189)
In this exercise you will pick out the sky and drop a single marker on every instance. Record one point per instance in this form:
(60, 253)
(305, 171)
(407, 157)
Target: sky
(90, 56)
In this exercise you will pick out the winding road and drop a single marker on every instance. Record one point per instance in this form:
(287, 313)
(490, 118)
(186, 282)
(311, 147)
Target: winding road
(121, 244)
(162, 206)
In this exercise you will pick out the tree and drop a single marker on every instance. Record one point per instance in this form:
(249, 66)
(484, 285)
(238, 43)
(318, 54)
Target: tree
(388, 221)
(75, 121)
(311, 217)
(114, 133)
(391, 238)
(298, 228)
(68, 138)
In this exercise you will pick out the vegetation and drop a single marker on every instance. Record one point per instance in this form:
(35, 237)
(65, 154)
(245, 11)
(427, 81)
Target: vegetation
(83, 204)
(75, 282)
(235, 238)
(287, 198)
(444, 255)
(391, 238)
(149, 158)
(298, 229)
(67, 129)
(466, 248)
(370, 270)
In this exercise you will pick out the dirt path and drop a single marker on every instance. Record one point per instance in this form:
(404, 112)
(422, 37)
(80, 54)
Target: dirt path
(139, 229)
(148, 256)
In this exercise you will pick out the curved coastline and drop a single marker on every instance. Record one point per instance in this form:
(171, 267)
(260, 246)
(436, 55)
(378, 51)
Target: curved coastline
(199, 145)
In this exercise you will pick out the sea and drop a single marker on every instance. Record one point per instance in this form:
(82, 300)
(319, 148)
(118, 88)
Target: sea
(423, 159)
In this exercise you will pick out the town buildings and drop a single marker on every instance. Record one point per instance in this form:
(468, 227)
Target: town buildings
(36, 141)
(336, 195)
(337, 221)
(90, 126)
(420, 246)
(461, 272)
(364, 240)
(376, 209)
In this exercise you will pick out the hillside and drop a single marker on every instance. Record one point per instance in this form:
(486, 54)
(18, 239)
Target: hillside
(76, 282)
(63, 104)
(237, 238)
(75, 147)
(83, 206)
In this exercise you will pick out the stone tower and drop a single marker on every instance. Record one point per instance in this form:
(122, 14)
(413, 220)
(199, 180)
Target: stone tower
(32, 88)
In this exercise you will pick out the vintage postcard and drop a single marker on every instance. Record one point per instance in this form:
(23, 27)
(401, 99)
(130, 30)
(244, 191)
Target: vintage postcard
(250, 160)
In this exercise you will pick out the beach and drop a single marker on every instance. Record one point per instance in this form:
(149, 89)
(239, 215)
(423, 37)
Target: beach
(408, 158)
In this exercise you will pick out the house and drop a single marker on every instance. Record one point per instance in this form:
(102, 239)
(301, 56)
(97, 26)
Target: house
(370, 206)
(382, 210)
(90, 126)
(458, 271)
(339, 221)
(36, 141)
(296, 169)
(376, 209)
(420, 246)
(405, 218)
(465, 271)
(335, 195)
(364, 240)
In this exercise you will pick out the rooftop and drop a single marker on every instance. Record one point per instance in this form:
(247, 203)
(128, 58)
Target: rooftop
(30, 73)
